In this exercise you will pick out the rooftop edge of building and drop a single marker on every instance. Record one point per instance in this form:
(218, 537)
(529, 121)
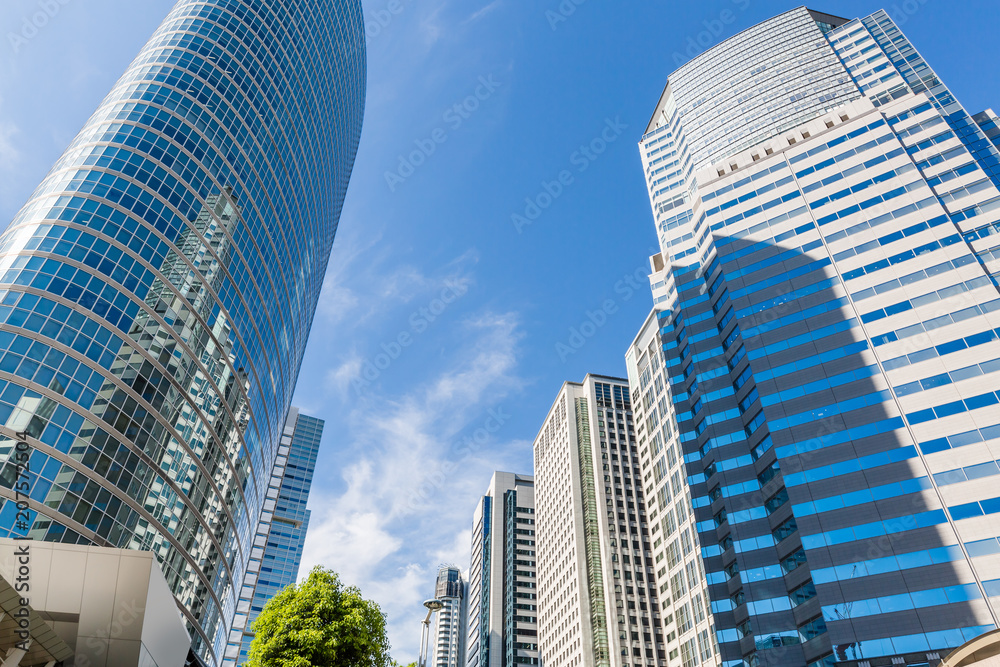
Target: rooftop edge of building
(570, 383)
(817, 16)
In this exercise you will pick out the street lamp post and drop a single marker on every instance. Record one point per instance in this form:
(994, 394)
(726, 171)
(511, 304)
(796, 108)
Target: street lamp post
(425, 631)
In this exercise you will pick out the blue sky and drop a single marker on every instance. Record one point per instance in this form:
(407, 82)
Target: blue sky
(476, 111)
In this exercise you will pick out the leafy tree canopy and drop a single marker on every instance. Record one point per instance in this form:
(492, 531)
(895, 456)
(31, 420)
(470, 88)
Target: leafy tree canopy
(320, 623)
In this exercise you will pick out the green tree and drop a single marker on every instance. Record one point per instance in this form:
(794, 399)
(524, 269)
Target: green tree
(320, 623)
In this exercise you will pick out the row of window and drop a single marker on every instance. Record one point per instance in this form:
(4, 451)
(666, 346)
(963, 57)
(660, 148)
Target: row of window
(861, 186)
(952, 174)
(933, 141)
(957, 475)
(910, 113)
(862, 496)
(898, 235)
(841, 407)
(936, 323)
(895, 563)
(808, 313)
(978, 508)
(916, 643)
(944, 379)
(977, 210)
(785, 255)
(740, 183)
(925, 299)
(973, 437)
(871, 202)
(958, 193)
(983, 232)
(920, 127)
(884, 218)
(788, 564)
(850, 465)
(822, 148)
(763, 244)
(784, 276)
(874, 529)
(801, 339)
(750, 212)
(849, 350)
(902, 257)
(753, 194)
(915, 277)
(888, 604)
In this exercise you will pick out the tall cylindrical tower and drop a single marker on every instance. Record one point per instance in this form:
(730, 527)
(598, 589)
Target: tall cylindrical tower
(157, 291)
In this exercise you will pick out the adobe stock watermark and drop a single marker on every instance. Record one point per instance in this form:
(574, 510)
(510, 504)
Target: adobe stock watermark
(714, 29)
(454, 117)
(901, 13)
(22, 524)
(419, 322)
(562, 13)
(580, 159)
(35, 22)
(382, 18)
(627, 287)
(464, 449)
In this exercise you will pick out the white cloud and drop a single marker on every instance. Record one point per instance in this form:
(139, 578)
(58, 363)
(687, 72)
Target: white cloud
(431, 27)
(459, 552)
(366, 535)
(337, 301)
(388, 521)
(483, 12)
(339, 379)
(365, 279)
(367, 303)
(9, 155)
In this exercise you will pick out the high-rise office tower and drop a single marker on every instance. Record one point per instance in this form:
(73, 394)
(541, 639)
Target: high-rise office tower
(285, 528)
(450, 629)
(158, 288)
(830, 321)
(597, 603)
(684, 597)
(503, 596)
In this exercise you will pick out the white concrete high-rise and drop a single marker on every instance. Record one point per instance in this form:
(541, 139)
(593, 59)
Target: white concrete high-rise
(503, 604)
(597, 604)
(828, 322)
(450, 629)
(689, 629)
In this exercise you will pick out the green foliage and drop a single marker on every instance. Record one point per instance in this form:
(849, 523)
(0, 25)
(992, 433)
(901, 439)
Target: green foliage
(320, 623)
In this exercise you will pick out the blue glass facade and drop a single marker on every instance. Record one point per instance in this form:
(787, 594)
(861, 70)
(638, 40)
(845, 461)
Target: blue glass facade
(828, 314)
(158, 288)
(290, 519)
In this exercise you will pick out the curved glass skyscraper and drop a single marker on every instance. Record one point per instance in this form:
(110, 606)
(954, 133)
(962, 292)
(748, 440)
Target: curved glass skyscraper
(157, 291)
